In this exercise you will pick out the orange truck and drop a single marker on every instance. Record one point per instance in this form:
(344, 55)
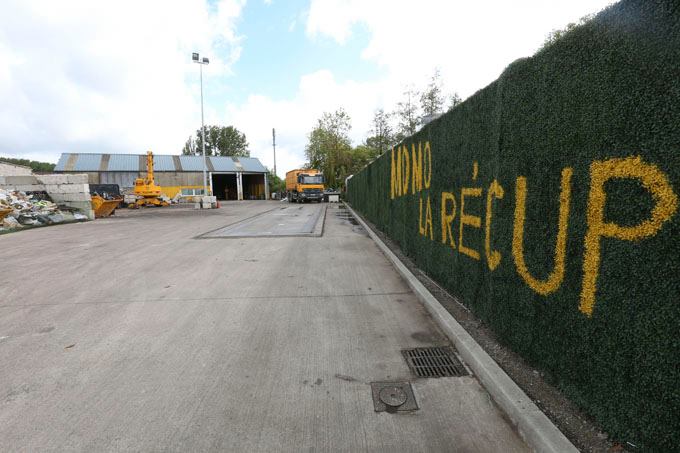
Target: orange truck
(304, 185)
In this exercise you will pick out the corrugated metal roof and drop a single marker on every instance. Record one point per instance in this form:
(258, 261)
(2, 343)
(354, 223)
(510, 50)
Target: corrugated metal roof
(191, 163)
(122, 162)
(162, 162)
(221, 163)
(252, 164)
(62, 162)
(88, 162)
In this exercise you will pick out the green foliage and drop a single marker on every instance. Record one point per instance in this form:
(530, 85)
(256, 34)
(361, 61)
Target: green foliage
(432, 99)
(36, 166)
(408, 114)
(454, 100)
(558, 34)
(219, 141)
(381, 137)
(608, 88)
(329, 148)
(360, 156)
(276, 184)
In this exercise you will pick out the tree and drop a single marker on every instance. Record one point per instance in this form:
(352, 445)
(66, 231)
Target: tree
(381, 136)
(276, 184)
(190, 147)
(329, 147)
(454, 100)
(432, 99)
(361, 156)
(558, 34)
(219, 141)
(40, 167)
(407, 115)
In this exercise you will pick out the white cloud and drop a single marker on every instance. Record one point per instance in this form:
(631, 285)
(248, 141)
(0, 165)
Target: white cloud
(86, 76)
(106, 76)
(294, 118)
(471, 42)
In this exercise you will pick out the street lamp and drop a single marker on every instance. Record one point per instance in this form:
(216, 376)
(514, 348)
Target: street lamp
(195, 58)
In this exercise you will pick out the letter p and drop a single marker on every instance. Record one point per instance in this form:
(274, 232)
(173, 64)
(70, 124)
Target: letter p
(665, 205)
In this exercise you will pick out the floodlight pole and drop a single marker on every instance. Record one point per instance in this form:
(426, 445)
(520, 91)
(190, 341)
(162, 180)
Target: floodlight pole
(205, 161)
(196, 59)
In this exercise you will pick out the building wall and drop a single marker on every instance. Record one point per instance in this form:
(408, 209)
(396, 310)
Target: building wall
(178, 179)
(124, 179)
(171, 183)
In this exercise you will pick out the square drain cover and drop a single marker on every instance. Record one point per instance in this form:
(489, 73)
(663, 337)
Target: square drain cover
(434, 362)
(393, 397)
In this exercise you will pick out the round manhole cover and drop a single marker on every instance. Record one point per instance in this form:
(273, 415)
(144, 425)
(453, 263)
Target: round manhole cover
(393, 396)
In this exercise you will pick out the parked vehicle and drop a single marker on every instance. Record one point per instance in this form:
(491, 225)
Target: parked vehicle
(304, 185)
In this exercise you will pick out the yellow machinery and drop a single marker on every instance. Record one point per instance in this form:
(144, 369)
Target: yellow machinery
(146, 189)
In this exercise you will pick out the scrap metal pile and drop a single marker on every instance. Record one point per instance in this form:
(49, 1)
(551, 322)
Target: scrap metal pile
(19, 209)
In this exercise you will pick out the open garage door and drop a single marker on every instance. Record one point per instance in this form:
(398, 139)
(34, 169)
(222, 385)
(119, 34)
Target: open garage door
(253, 187)
(224, 186)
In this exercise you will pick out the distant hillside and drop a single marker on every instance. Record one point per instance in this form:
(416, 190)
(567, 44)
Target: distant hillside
(40, 167)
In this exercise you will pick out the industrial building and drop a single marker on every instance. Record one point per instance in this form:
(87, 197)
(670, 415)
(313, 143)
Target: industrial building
(229, 178)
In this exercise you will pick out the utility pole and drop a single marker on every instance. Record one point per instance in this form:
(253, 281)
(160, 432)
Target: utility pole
(274, 145)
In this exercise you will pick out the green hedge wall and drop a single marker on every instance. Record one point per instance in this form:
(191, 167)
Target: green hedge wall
(587, 132)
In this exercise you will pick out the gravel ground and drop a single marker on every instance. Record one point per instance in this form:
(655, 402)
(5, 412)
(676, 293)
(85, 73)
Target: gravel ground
(580, 429)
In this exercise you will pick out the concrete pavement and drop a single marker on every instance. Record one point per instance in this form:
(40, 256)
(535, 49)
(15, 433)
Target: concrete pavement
(284, 220)
(129, 334)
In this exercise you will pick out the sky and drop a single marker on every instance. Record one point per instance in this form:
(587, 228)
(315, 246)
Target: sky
(117, 76)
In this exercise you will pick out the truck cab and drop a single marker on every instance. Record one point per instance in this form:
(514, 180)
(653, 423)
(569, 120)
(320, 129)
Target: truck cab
(304, 185)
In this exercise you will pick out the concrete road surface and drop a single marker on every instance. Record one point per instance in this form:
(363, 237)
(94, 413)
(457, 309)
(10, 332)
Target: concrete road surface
(130, 333)
(284, 220)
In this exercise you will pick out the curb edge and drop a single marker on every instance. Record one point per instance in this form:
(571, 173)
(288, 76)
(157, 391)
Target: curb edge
(533, 425)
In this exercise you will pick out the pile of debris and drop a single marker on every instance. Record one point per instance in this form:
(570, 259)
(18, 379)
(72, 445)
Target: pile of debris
(19, 209)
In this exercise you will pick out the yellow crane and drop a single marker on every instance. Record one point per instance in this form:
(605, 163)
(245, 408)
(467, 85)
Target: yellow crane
(146, 188)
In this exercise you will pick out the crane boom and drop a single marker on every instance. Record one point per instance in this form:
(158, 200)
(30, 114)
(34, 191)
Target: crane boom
(149, 167)
(148, 193)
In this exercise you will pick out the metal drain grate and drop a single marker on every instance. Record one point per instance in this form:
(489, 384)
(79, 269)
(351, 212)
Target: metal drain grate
(434, 362)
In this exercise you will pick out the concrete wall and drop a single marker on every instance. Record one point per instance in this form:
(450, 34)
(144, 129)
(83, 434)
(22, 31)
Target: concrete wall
(68, 190)
(7, 169)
